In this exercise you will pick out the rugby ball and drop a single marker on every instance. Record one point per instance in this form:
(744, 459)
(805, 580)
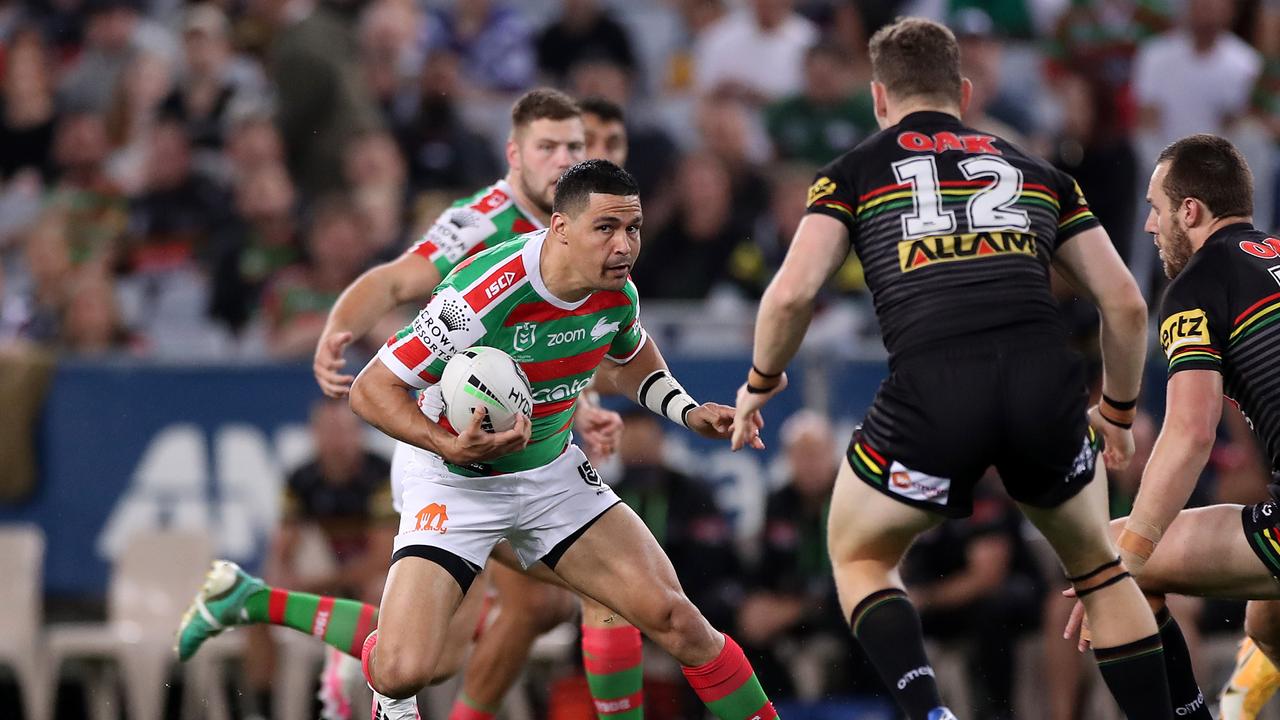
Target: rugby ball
(485, 377)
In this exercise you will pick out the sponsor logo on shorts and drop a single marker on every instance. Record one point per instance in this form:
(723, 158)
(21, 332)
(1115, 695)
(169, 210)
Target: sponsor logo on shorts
(922, 252)
(1189, 327)
(1083, 464)
(916, 674)
(433, 517)
(915, 485)
(1191, 707)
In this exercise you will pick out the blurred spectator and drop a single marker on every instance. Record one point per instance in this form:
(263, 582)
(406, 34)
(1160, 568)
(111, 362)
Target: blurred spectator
(373, 160)
(392, 57)
(653, 153)
(34, 311)
(981, 55)
(727, 130)
(1195, 79)
(97, 211)
(975, 581)
(342, 497)
(214, 82)
(682, 515)
(115, 31)
(253, 142)
(442, 151)
(755, 53)
(829, 117)
(172, 218)
(791, 605)
(296, 301)
(695, 16)
(582, 31)
(131, 119)
(260, 241)
(322, 100)
(90, 323)
(493, 41)
(689, 255)
(26, 107)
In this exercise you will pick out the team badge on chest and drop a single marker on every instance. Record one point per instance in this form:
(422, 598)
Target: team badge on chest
(525, 336)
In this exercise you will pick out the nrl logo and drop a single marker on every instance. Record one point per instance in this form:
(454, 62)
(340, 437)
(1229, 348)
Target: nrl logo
(525, 336)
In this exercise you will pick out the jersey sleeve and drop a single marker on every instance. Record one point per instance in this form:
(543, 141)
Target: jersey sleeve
(833, 194)
(457, 233)
(1074, 215)
(631, 335)
(1191, 333)
(418, 353)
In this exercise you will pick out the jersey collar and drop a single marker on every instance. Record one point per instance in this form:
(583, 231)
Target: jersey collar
(930, 118)
(531, 253)
(505, 187)
(1228, 229)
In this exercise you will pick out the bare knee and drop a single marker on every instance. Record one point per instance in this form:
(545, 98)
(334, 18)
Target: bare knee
(674, 623)
(401, 670)
(540, 610)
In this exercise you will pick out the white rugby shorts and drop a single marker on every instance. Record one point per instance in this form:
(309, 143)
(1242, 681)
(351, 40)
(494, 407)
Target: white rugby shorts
(534, 510)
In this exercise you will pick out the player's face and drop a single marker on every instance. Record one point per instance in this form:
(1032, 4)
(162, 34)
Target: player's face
(605, 239)
(1166, 227)
(606, 139)
(542, 152)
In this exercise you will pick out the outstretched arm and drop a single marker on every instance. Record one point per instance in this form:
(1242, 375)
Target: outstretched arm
(820, 245)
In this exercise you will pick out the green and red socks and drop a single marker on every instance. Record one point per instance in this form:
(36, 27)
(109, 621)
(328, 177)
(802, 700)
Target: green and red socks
(340, 623)
(614, 660)
(464, 708)
(728, 686)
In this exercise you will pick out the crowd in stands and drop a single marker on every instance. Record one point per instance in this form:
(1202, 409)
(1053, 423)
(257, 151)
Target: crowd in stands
(199, 181)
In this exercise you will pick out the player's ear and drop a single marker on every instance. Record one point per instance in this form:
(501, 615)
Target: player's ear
(966, 94)
(559, 227)
(513, 151)
(879, 97)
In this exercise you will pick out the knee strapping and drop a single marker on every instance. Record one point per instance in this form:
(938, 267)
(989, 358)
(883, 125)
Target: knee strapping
(1105, 575)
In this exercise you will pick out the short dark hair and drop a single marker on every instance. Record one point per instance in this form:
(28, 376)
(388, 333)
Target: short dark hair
(915, 57)
(606, 110)
(591, 176)
(1210, 169)
(543, 104)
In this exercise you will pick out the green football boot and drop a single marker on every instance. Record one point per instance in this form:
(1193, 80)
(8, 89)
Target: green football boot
(218, 605)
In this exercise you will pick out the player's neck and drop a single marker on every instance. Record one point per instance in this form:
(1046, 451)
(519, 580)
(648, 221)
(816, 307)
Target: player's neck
(1218, 223)
(522, 200)
(558, 275)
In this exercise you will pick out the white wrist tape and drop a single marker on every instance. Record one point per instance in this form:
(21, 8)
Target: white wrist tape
(663, 395)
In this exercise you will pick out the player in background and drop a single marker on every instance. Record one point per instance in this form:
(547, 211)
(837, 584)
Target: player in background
(1220, 332)
(530, 485)
(957, 230)
(542, 120)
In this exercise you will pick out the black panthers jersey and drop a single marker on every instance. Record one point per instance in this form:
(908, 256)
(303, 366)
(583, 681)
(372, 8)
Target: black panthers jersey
(955, 229)
(1222, 313)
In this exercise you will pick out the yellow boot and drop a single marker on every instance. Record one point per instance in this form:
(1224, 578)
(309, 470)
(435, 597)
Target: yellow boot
(1253, 681)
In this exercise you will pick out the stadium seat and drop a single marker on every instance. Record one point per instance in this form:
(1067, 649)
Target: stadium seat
(22, 596)
(151, 583)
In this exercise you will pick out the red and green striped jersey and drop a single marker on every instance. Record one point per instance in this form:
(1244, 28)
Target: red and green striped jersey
(489, 217)
(498, 299)
(1222, 313)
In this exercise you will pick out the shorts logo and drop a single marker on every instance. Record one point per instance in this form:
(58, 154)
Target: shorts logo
(915, 485)
(820, 188)
(922, 252)
(1083, 464)
(433, 517)
(525, 337)
(589, 474)
(1189, 327)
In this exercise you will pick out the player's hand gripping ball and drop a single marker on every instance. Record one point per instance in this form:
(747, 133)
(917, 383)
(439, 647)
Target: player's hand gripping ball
(485, 378)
